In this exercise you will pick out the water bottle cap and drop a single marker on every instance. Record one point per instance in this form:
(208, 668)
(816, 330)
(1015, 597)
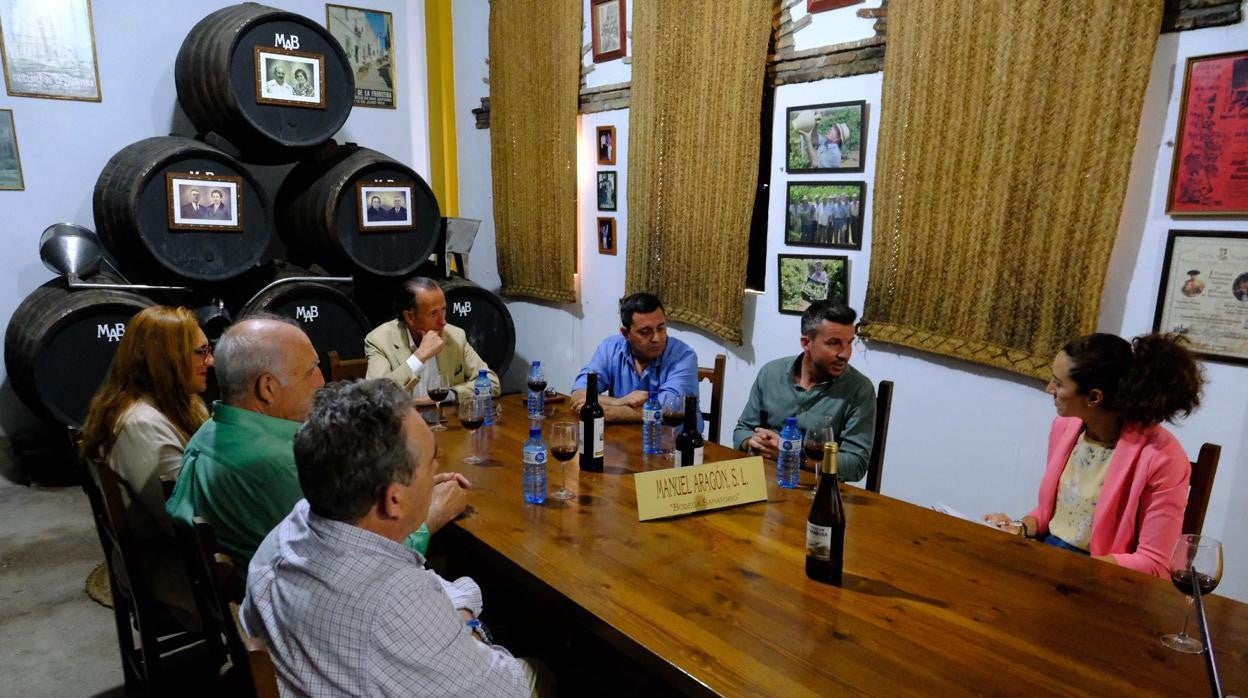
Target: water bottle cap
(537, 364)
(790, 421)
(481, 373)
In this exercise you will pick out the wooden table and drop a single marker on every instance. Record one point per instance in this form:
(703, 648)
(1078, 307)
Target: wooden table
(719, 601)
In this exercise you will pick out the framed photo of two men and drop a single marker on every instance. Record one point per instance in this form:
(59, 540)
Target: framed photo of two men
(385, 206)
(204, 202)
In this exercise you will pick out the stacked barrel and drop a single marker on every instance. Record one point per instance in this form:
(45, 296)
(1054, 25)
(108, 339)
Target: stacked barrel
(60, 341)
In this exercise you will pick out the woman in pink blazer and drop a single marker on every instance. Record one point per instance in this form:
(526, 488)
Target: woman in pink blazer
(1115, 485)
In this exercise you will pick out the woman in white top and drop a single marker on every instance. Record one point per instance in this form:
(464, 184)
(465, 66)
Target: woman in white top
(139, 422)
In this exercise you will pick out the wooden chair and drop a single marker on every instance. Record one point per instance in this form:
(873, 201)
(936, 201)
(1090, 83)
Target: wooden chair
(211, 574)
(263, 673)
(1200, 485)
(346, 369)
(716, 377)
(883, 409)
(167, 484)
(134, 606)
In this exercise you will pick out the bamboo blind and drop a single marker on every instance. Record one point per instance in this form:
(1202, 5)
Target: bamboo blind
(1007, 130)
(535, 49)
(697, 83)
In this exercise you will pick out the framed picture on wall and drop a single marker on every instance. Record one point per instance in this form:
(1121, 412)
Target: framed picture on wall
(1209, 174)
(1204, 293)
(606, 145)
(204, 202)
(10, 160)
(607, 26)
(385, 206)
(290, 78)
(824, 214)
(606, 191)
(806, 279)
(368, 38)
(49, 49)
(606, 236)
(825, 5)
(826, 137)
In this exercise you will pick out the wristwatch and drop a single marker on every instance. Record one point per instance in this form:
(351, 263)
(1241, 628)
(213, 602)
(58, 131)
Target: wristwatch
(482, 632)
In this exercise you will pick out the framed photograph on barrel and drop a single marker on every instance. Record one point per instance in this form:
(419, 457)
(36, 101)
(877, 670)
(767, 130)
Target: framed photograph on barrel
(368, 38)
(204, 202)
(607, 19)
(385, 206)
(1204, 293)
(806, 279)
(825, 214)
(49, 49)
(290, 78)
(10, 159)
(1209, 173)
(826, 137)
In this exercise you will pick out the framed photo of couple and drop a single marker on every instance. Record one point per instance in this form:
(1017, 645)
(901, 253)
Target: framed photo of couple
(204, 202)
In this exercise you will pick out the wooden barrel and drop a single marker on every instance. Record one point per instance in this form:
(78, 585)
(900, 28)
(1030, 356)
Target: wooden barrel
(319, 211)
(143, 216)
(222, 73)
(331, 319)
(60, 343)
(484, 318)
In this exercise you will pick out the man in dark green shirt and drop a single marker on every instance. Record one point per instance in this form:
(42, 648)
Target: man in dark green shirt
(238, 470)
(820, 388)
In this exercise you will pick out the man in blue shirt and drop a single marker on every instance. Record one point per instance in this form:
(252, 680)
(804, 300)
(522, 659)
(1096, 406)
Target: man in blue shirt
(640, 356)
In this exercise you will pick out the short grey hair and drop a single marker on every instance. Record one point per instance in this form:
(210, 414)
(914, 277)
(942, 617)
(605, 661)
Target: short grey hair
(352, 447)
(414, 285)
(243, 354)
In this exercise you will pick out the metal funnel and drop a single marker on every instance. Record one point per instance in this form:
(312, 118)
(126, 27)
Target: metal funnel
(66, 249)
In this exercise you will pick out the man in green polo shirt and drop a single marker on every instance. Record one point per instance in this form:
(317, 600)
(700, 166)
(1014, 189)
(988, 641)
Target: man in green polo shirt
(238, 471)
(820, 388)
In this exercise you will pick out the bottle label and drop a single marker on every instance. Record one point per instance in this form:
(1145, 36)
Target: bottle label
(818, 541)
(600, 438)
(790, 446)
(535, 457)
(649, 415)
(697, 458)
(580, 439)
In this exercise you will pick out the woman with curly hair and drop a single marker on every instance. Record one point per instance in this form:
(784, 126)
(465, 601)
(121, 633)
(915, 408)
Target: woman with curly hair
(1115, 485)
(139, 422)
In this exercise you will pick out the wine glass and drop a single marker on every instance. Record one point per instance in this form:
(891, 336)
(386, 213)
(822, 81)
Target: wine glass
(812, 446)
(563, 437)
(472, 416)
(673, 416)
(436, 388)
(1196, 560)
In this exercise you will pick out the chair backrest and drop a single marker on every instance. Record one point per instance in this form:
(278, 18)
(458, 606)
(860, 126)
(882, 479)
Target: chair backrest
(345, 369)
(883, 409)
(716, 377)
(209, 572)
(263, 673)
(1201, 484)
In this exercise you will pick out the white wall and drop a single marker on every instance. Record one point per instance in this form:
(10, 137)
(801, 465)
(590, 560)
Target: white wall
(65, 144)
(964, 435)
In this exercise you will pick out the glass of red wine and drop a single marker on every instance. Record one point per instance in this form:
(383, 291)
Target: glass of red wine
(563, 437)
(472, 416)
(812, 446)
(1196, 560)
(673, 416)
(435, 386)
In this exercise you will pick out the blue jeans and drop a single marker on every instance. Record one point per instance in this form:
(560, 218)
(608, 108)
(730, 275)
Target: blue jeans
(1059, 543)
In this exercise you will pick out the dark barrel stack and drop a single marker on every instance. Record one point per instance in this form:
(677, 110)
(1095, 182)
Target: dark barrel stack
(484, 318)
(59, 344)
(133, 214)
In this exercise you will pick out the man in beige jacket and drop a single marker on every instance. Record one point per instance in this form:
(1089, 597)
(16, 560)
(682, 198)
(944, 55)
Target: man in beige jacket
(420, 342)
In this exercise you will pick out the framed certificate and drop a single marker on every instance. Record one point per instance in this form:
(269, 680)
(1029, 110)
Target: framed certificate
(1204, 293)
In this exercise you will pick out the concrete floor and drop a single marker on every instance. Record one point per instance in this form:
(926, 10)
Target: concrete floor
(54, 640)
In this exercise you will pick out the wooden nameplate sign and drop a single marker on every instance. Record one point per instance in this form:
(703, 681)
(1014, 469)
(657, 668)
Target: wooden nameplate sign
(676, 491)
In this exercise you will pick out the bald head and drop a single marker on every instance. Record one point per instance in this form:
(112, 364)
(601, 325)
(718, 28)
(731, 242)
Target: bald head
(267, 364)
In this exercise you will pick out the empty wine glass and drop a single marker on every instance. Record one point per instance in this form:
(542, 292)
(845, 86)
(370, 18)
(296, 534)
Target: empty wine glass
(472, 416)
(436, 388)
(563, 438)
(1196, 560)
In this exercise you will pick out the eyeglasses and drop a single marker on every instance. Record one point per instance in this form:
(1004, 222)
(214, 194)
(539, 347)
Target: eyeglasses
(203, 352)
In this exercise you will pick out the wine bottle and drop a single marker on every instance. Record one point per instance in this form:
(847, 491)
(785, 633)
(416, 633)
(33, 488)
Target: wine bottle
(592, 444)
(825, 527)
(689, 442)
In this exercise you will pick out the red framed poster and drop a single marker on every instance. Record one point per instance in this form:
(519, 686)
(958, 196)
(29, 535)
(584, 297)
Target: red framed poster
(1209, 175)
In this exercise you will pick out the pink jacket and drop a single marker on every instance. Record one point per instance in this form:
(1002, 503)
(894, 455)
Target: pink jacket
(1139, 514)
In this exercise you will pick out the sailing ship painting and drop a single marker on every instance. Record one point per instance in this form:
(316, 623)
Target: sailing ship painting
(49, 49)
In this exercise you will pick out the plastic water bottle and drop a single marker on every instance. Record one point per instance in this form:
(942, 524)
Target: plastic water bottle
(790, 454)
(535, 466)
(652, 425)
(481, 388)
(537, 391)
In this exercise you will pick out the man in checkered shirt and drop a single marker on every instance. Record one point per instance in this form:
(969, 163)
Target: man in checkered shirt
(345, 607)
